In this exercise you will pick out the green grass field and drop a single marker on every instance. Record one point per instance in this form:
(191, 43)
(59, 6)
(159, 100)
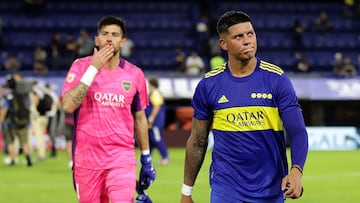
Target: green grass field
(329, 177)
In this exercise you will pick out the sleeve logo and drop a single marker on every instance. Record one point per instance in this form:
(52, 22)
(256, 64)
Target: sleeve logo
(70, 77)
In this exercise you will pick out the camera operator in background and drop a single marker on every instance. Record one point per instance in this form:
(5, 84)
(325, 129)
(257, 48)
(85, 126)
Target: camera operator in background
(15, 113)
(39, 119)
(3, 93)
(53, 117)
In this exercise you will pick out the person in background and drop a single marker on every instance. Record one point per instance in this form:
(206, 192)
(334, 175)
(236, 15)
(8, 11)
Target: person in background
(85, 44)
(248, 104)
(108, 96)
(53, 118)
(348, 69)
(3, 93)
(68, 133)
(15, 113)
(40, 61)
(56, 51)
(39, 120)
(216, 61)
(322, 23)
(195, 65)
(12, 64)
(338, 64)
(70, 50)
(156, 114)
(180, 60)
(301, 64)
(298, 31)
(128, 49)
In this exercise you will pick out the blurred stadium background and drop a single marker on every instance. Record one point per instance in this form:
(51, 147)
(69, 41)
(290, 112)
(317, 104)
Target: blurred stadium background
(330, 104)
(157, 28)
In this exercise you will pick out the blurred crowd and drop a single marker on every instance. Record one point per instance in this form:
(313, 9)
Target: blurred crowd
(205, 55)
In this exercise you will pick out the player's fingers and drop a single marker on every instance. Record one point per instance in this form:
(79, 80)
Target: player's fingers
(296, 193)
(283, 184)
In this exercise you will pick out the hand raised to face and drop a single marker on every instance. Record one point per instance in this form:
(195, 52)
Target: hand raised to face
(100, 57)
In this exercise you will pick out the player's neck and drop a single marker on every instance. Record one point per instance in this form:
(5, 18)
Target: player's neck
(242, 68)
(113, 62)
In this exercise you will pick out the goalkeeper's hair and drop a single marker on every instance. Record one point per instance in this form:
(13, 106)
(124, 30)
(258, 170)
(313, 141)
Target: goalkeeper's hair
(111, 20)
(231, 18)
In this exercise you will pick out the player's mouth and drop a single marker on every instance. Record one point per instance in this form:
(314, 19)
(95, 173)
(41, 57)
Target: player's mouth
(247, 50)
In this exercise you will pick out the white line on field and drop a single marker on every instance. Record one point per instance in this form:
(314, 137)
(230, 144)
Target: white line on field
(332, 176)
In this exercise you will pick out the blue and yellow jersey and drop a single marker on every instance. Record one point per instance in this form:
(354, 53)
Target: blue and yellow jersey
(249, 154)
(156, 99)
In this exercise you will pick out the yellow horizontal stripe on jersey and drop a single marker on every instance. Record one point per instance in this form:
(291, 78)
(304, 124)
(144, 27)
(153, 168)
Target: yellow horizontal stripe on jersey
(247, 118)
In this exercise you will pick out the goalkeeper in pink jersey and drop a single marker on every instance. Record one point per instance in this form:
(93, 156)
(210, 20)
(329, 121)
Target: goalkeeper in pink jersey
(108, 96)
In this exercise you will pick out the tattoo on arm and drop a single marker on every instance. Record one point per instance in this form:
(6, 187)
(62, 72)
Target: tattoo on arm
(77, 94)
(196, 148)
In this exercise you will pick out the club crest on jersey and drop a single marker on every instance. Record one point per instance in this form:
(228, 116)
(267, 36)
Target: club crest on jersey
(126, 85)
(70, 77)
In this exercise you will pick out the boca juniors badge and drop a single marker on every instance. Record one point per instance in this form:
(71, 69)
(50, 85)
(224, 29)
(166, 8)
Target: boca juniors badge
(126, 85)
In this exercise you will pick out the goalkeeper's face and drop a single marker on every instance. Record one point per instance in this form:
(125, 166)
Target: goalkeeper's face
(240, 41)
(110, 35)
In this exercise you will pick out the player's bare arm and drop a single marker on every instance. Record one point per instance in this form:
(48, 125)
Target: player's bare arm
(196, 149)
(141, 130)
(153, 114)
(74, 97)
(3, 112)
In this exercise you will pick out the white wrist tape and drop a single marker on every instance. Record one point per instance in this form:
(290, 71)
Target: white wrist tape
(186, 190)
(145, 152)
(89, 75)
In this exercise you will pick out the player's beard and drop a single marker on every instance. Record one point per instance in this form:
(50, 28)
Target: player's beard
(115, 52)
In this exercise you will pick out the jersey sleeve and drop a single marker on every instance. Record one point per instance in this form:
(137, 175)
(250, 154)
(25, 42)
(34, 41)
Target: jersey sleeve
(202, 110)
(73, 76)
(293, 121)
(141, 99)
(286, 95)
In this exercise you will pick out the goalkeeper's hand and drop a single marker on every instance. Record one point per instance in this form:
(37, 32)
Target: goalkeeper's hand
(143, 198)
(147, 172)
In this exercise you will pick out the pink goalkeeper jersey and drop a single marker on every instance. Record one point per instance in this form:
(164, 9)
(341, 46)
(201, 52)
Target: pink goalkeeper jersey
(104, 126)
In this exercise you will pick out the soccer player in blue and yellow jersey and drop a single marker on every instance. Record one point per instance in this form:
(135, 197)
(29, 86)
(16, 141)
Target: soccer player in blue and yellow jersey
(249, 104)
(156, 116)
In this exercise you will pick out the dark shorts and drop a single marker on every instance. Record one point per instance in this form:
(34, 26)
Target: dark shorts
(21, 133)
(68, 131)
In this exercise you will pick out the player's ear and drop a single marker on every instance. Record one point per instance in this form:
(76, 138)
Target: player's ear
(123, 41)
(96, 40)
(223, 44)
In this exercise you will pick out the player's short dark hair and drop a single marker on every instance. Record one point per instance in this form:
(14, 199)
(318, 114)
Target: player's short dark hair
(111, 20)
(231, 18)
(153, 80)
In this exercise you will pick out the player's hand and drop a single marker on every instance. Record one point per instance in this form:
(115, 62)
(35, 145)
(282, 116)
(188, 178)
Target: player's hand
(143, 198)
(291, 184)
(147, 172)
(186, 199)
(100, 57)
